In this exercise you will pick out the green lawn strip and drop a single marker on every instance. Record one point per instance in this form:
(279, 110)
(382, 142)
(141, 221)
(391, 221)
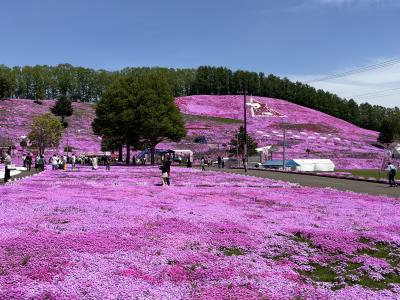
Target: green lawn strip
(367, 173)
(212, 119)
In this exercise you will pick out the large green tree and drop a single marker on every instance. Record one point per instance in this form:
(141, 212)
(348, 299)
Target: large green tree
(46, 132)
(138, 110)
(157, 116)
(63, 108)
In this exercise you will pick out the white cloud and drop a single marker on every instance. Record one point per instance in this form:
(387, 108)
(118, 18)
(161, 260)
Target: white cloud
(360, 84)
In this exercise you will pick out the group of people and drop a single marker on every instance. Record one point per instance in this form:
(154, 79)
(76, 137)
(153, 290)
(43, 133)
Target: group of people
(60, 162)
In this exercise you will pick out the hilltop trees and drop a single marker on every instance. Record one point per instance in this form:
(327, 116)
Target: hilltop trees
(386, 133)
(6, 82)
(50, 82)
(139, 111)
(46, 132)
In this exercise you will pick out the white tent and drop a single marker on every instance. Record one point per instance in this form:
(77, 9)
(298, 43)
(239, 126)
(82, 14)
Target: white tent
(396, 151)
(314, 165)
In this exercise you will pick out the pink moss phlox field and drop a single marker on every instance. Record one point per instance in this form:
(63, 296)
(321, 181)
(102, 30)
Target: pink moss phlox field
(119, 235)
(218, 118)
(328, 137)
(19, 113)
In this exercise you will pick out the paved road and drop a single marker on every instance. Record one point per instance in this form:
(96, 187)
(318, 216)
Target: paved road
(20, 175)
(316, 181)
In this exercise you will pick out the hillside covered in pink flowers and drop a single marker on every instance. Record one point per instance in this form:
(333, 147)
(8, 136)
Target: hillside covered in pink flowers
(217, 118)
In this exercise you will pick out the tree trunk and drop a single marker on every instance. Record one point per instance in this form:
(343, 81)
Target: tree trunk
(120, 153)
(62, 119)
(153, 152)
(128, 153)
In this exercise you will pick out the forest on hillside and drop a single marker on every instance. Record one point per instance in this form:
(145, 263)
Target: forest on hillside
(85, 84)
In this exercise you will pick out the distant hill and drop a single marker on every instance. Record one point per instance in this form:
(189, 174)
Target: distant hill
(217, 118)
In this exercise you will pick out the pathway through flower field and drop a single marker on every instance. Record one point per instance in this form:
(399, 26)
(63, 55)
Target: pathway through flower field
(119, 235)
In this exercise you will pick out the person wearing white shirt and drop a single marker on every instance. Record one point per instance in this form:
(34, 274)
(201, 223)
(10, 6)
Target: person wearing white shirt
(391, 171)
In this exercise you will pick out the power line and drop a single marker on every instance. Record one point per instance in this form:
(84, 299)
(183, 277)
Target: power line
(381, 96)
(374, 93)
(377, 66)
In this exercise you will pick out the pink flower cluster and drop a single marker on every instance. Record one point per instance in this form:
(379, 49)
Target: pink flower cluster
(119, 235)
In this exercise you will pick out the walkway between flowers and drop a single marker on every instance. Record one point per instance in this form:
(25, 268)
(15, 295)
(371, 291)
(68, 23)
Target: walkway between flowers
(119, 235)
(370, 188)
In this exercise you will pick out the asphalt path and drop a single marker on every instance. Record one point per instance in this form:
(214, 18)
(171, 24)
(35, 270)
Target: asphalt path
(371, 188)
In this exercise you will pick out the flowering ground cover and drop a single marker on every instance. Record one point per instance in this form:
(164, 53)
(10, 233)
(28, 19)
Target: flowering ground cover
(327, 137)
(218, 118)
(17, 115)
(119, 235)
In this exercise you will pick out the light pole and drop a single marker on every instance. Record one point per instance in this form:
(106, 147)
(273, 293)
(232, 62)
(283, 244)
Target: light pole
(284, 148)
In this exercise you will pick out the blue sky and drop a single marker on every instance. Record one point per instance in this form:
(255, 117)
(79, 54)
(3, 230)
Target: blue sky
(301, 39)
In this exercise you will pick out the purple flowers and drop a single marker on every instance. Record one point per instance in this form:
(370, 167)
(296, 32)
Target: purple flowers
(119, 235)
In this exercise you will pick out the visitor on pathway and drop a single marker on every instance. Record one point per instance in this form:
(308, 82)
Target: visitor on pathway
(54, 162)
(219, 162)
(64, 162)
(164, 174)
(391, 170)
(203, 164)
(244, 164)
(94, 163)
(73, 161)
(37, 159)
(134, 160)
(23, 160)
(28, 162)
(42, 162)
(222, 162)
(107, 162)
(7, 165)
(188, 163)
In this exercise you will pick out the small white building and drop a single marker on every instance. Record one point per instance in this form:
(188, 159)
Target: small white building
(313, 165)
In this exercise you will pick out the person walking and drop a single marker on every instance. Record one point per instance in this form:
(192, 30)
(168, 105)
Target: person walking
(203, 164)
(391, 171)
(219, 161)
(164, 174)
(28, 162)
(37, 159)
(42, 162)
(222, 162)
(7, 167)
(24, 160)
(94, 163)
(107, 162)
(73, 161)
(54, 162)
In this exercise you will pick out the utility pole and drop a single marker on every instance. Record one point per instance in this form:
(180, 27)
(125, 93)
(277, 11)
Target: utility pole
(245, 158)
(284, 148)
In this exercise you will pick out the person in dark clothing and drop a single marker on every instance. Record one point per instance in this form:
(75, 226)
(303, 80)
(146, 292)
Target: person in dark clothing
(28, 162)
(222, 162)
(219, 161)
(164, 174)
(107, 162)
(188, 163)
(391, 170)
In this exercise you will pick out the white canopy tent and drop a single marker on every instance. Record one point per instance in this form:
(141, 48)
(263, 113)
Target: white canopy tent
(396, 152)
(314, 165)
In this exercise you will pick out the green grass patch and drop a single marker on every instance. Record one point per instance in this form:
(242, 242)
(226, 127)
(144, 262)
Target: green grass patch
(367, 173)
(233, 251)
(321, 273)
(212, 119)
